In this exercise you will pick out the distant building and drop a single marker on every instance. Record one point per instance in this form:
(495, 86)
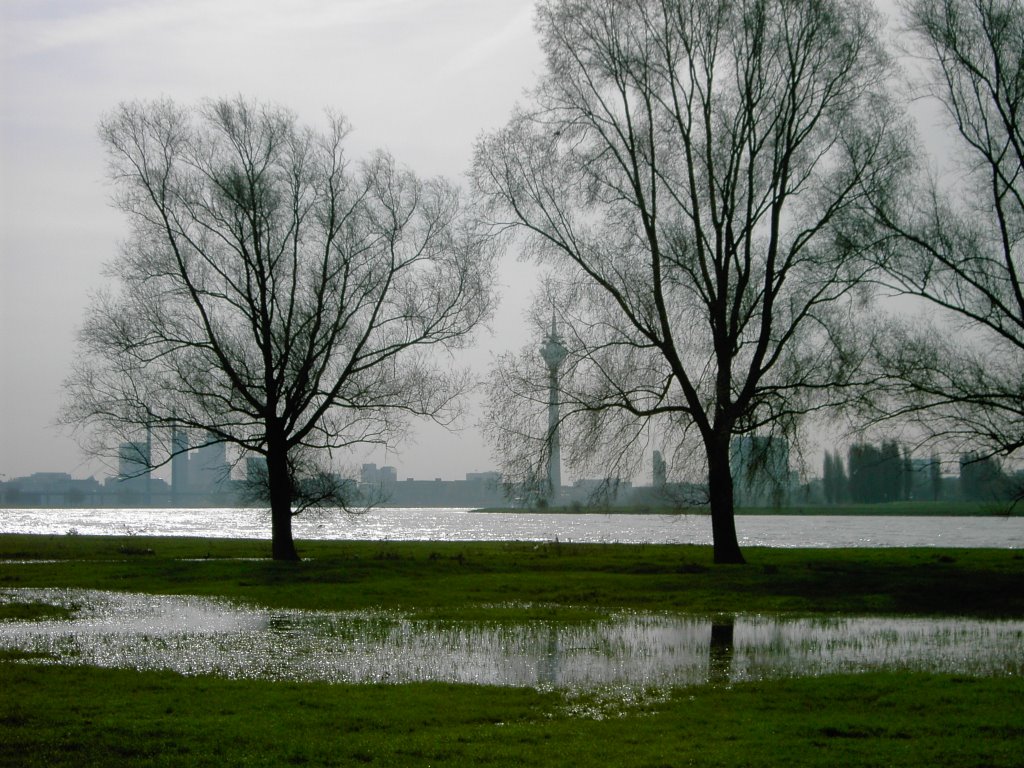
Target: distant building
(255, 470)
(180, 486)
(370, 474)
(50, 489)
(208, 468)
(380, 486)
(133, 472)
(133, 460)
(57, 489)
(659, 474)
(200, 476)
(600, 491)
(760, 470)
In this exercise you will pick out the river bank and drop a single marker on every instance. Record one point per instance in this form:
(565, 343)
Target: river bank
(888, 509)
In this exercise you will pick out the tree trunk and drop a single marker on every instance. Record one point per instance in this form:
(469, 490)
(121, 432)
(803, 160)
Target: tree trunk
(279, 488)
(723, 521)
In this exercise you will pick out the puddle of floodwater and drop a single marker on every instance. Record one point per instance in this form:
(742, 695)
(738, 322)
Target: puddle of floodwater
(625, 651)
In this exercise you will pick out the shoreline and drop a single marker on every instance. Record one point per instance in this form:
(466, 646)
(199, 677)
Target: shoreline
(890, 509)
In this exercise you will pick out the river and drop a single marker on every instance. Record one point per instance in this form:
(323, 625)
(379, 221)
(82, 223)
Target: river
(434, 524)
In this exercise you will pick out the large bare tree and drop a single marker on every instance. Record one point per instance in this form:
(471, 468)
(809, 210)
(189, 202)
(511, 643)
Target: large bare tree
(688, 169)
(273, 295)
(958, 241)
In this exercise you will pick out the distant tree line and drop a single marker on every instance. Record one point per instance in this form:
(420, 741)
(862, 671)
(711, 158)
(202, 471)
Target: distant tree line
(873, 474)
(982, 479)
(878, 473)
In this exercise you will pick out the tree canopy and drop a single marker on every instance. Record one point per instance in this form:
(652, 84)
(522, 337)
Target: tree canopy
(689, 171)
(273, 294)
(957, 242)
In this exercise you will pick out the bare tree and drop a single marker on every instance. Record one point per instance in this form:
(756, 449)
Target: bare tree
(272, 294)
(959, 245)
(689, 169)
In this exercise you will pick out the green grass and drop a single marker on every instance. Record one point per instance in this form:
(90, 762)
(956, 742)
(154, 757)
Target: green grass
(76, 716)
(33, 611)
(63, 716)
(456, 579)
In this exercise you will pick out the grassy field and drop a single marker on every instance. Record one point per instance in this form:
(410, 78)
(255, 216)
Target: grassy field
(457, 578)
(64, 716)
(61, 716)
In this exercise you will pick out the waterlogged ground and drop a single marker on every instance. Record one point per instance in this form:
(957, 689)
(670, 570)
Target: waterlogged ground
(622, 650)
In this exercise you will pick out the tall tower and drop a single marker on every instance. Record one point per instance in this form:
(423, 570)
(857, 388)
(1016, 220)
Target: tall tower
(553, 352)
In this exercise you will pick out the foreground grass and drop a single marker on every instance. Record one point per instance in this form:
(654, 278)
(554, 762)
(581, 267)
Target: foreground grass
(461, 579)
(61, 716)
(69, 716)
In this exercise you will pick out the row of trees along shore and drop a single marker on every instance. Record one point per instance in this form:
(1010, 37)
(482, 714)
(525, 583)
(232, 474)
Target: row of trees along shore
(881, 473)
(717, 192)
(878, 474)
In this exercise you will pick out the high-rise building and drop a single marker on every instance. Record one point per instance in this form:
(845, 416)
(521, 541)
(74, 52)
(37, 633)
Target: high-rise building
(133, 468)
(371, 474)
(179, 464)
(256, 470)
(208, 467)
(659, 474)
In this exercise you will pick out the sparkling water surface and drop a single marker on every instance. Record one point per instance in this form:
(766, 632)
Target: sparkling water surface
(441, 524)
(626, 653)
(193, 635)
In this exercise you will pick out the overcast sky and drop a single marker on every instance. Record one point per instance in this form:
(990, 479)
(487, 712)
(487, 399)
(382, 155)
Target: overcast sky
(420, 78)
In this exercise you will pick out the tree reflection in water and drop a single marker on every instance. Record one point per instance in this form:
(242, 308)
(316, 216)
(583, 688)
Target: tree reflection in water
(641, 651)
(721, 650)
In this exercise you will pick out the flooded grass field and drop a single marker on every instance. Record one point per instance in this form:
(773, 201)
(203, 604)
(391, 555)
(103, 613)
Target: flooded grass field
(626, 650)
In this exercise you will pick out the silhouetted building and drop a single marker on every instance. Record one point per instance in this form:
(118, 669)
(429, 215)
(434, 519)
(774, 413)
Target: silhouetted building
(371, 474)
(255, 470)
(659, 475)
(180, 486)
(601, 492)
(380, 486)
(50, 489)
(208, 470)
(133, 471)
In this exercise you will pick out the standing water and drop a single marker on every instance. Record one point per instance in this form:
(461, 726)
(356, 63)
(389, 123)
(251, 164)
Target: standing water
(193, 635)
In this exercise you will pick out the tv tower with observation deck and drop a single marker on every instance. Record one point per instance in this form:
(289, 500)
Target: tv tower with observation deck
(554, 354)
